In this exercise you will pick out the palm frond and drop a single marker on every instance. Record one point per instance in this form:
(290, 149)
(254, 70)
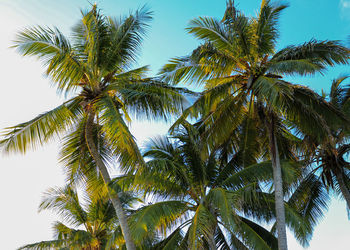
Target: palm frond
(65, 202)
(45, 245)
(29, 135)
(212, 30)
(309, 58)
(266, 26)
(202, 225)
(159, 217)
(64, 65)
(117, 134)
(152, 99)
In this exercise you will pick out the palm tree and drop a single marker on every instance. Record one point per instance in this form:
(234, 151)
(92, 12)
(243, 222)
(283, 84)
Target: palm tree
(93, 222)
(96, 70)
(330, 154)
(240, 66)
(209, 201)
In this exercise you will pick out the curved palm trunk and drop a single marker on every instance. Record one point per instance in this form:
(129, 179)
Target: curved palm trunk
(279, 197)
(105, 175)
(343, 188)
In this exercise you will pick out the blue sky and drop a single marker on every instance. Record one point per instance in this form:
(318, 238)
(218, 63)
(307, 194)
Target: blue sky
(26, 93)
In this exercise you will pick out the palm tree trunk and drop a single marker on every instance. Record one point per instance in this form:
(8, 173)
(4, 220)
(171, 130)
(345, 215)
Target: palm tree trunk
(105, 175)
(279, 197)
(343, 188)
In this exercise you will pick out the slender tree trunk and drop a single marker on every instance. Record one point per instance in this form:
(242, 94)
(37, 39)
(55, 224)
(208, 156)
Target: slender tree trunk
(277, 179)
(105, 175)
(343, 188)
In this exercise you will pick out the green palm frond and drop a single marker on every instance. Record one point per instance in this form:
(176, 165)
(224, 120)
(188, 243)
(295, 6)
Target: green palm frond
(152, 99)
(319, 113)
(64, 65)
(183, 68)
(45, 245)
(208, 103)
(79, 166)
(29, 135)
(209, 29)
(201, 226)
(91, 222)
(74, 238)
(65, 202)
(224, 119)
(222, 243)
(159, 217)
(262, 172)
(311, 200)
(225, 202)
(338, 95)
(249, 142)
(275, 91)
(256, 236)
(314, 56)
(266, 26)
(171, 242)
(117, 134)
(127, 36)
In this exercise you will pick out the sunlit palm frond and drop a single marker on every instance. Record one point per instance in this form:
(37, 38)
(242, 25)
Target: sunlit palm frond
(159, 217)
(78, 164)
(64, 65)
(266, 26)
(65, 202)
(117, 134)
(152, 99)
(45, 245)
(309, 58)
(126, 37)
(212, 30)
(29, 135)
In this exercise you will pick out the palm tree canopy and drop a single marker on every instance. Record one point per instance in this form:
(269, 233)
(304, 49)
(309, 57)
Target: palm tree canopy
(201, 197)
(330, 155)
(238, 64)
(86, 225)
(95, 69)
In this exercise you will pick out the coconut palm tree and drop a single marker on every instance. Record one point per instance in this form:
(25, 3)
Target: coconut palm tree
(88, 225)
(209, 200)
(239, 65)
(331, 153)
(95, 70)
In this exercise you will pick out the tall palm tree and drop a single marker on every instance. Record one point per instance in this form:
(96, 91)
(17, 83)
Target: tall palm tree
(96, 70)
(89, 225)
(331, 153)
(209, 201)
(240, 66)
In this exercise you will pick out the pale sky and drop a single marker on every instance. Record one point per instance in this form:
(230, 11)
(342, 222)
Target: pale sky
(25, 93)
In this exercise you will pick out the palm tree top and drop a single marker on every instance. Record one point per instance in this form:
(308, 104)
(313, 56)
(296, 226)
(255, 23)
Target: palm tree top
(88, 223)
(101, 47)
(241, 46)
(95, 68)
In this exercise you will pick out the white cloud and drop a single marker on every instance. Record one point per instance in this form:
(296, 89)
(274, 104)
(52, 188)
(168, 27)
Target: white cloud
(345, 4)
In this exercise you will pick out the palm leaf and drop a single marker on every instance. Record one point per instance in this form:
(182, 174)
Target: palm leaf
(42, 128)
(117, 134)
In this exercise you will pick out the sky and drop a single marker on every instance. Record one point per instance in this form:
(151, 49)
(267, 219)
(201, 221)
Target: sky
(25, 93)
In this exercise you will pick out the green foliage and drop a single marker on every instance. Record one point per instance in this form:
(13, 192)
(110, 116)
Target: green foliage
(214, 197)
(93, 220)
